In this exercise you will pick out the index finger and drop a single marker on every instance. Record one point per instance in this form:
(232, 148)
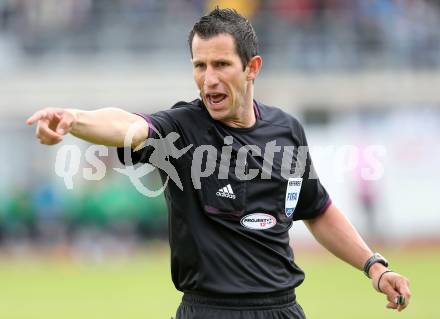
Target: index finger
(36, 117)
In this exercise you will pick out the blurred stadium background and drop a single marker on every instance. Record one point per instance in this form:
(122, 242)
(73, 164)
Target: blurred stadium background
(356, 72)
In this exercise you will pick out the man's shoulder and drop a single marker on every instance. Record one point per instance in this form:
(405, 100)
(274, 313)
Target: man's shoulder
(182, 111)
(277, 116)
(192, 106)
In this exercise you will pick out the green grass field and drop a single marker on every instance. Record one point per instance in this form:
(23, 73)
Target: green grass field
(141, 288)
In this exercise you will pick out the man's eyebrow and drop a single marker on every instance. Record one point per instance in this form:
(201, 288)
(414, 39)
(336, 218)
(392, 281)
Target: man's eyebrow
(223, 60)
(219, 60)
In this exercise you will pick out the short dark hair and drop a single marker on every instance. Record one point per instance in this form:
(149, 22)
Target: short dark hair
(229, 21)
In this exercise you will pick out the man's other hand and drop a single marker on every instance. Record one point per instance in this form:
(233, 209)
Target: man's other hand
(394, 286)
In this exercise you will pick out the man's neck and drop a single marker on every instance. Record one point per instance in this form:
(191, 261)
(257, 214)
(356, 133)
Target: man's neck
(244, 118)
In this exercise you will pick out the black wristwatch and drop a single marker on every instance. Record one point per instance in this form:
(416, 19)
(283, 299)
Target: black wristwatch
(376, 258)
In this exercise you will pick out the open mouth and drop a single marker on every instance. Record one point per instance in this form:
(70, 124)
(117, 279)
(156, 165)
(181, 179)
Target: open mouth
(216, 98)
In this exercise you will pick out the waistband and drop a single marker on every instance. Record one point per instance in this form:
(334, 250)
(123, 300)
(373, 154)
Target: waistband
(271, 300)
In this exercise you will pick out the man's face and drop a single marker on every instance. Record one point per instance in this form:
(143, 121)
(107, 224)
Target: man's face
(219, 75)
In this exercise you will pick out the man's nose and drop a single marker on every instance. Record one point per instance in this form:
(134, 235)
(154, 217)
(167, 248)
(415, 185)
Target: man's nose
(211, 78)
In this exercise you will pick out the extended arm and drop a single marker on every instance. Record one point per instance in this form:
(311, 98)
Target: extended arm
(107, 126)
(333, 230)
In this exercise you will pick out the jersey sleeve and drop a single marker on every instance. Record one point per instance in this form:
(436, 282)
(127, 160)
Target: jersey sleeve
(160, 124)
(313, 199)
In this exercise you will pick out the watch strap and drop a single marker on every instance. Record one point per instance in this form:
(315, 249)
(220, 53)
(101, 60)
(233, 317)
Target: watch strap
(375, 258)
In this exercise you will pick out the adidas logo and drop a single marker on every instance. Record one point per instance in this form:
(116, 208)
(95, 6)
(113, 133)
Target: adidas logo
(226, 192)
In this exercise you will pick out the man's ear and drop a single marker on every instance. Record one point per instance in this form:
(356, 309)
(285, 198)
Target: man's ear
(254, 67)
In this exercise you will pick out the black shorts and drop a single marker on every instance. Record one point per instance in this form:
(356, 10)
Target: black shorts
(280, 305)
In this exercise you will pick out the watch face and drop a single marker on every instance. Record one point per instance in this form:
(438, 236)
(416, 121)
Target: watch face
(375, 258)
(381, 259)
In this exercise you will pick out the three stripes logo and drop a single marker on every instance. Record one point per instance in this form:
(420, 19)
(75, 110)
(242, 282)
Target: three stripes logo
(226, 192)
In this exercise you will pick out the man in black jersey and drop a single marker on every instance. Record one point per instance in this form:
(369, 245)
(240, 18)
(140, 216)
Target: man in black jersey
(244, 176)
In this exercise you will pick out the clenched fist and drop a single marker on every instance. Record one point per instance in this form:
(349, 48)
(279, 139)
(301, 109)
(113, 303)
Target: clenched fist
(395, 287)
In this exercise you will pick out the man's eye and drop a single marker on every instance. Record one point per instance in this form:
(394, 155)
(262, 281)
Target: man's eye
(199, 65)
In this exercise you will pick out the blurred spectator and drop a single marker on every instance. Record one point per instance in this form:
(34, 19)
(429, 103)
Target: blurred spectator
(20, 219)
(305, 33)
(367, 195)
(246, 7)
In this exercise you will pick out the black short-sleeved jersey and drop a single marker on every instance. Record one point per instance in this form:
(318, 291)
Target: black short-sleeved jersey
(229, 235)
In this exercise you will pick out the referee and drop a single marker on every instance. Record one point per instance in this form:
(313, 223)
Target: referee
(229, 230)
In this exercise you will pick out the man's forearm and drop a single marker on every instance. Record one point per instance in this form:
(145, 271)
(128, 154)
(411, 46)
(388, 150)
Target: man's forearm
(333, 230)
(108, 126)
